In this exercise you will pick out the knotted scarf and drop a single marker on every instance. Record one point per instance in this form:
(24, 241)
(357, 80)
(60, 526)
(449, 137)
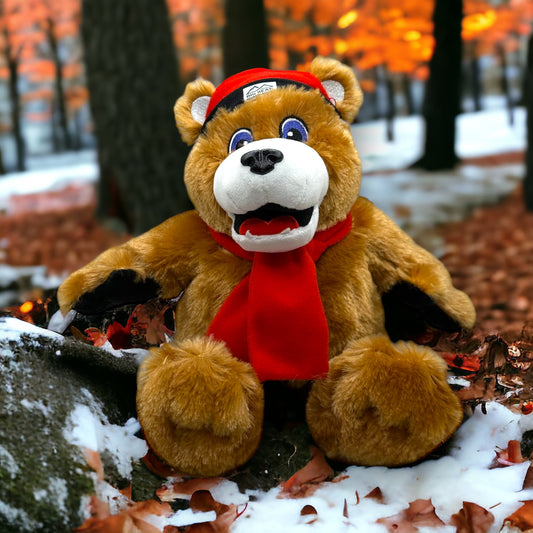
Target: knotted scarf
(274, 317)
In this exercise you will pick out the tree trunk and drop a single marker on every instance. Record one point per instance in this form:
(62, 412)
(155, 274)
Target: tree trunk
(11, 58)
(132, 74)
(408, 95)
(391, 108)
(58, 84)
(245, 40)
(506, 89)
(528, 102)
(476, 80)
(16, 120)
(442, 97)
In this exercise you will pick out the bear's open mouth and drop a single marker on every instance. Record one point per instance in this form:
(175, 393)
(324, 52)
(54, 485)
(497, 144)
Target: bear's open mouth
(271, 219)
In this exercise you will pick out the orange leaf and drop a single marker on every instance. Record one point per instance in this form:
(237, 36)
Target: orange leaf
(130, 520)
(307, 509)
(95, 462)
(186, 488)
(472, 518)
(528, 479)
(202, 500)
(305, 481)
(158, 466)
(120, 523)
(466, 363)
(419, 513)
(375, 494)
(510, 456)
(522, 518)
(99, 509)
(96, 336)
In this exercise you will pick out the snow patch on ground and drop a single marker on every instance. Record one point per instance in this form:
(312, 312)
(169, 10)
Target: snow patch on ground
(91, 430)
(477, 134)
(78, 167)
(463, 475)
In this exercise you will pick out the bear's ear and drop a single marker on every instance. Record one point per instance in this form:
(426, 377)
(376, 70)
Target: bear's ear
(341, 84)
(190, 109)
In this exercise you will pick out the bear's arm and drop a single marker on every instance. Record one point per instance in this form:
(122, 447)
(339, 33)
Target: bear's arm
(158, 263)
(415, 287)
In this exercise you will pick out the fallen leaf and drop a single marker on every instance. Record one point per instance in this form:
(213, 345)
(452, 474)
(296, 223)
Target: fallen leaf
(308, 509)
(472, 518)
(132, 519)
(340, 478)
(203, 501)
(99, 508)
(522, 518)
(309, 513)
(148, 321)
(466, 364)
(158, 466)
(528, 479)
(510, 456)
(420, 513)
(345, 509)
(95, 462)
(306, 480)
(96, 336)
(119, 336)
(375, 494)
(185, 488)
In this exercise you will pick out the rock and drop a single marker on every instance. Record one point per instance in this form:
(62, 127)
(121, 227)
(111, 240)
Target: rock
(51, 388)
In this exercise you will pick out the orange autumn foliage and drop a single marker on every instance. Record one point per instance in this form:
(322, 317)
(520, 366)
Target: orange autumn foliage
(26, 27)
(390, 33)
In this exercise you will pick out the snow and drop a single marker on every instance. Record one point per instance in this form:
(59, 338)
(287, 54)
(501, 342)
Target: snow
(477, 134)
(80, 167)
(91, 430)
(419, 200)
(12, 328)
(462, 475)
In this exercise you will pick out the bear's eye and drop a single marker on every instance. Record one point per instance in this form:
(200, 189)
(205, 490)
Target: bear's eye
(293, 128)
(239, 139)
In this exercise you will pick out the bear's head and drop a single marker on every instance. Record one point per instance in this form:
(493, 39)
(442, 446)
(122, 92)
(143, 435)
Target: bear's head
(273, 159)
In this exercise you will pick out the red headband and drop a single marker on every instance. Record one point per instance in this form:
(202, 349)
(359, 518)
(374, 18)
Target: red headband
(246, 85)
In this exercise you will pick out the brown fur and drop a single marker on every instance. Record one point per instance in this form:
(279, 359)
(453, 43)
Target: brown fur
(201, 409)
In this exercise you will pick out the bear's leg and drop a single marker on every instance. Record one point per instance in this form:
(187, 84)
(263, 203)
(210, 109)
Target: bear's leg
(383, 403)
(201, 409)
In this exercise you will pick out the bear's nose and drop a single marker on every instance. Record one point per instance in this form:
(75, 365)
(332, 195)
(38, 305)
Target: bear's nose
(261, 161)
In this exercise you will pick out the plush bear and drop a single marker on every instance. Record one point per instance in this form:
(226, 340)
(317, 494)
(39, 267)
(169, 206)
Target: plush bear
(285, 274)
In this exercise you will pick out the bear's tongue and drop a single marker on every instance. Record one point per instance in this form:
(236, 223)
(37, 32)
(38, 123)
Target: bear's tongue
(257, 226)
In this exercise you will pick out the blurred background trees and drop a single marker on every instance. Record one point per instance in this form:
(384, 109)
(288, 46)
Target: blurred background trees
(113, 81)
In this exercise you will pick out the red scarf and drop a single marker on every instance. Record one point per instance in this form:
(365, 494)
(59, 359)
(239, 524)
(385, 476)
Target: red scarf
(274, 317)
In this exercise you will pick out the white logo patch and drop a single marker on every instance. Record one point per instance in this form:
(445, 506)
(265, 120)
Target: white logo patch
(254, 90)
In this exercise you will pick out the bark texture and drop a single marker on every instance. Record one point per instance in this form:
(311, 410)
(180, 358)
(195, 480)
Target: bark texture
(132, 74)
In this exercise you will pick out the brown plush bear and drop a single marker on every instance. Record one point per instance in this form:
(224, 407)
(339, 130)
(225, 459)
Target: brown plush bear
(285, 274)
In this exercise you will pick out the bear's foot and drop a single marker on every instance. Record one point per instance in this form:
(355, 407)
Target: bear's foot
(383, 403)
(201, 409)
